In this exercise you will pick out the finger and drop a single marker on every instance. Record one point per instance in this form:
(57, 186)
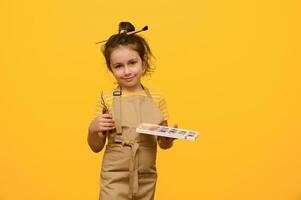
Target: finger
(164, 139)
(106, 125)
(106, 120)
(107, 115)
(107, 128)
(169, 139)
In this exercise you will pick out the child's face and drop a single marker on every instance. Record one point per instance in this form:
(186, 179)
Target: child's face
(127, 67)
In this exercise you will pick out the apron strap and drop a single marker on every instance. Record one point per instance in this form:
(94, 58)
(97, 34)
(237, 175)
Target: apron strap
(133, 176)
(147, 92)
(117, 110)
(133, 165)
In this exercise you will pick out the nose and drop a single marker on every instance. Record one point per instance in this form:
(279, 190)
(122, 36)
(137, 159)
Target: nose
(127, 70)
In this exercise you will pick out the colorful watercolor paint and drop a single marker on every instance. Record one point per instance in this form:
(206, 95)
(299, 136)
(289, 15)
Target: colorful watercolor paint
(182, 132)
(172, 130)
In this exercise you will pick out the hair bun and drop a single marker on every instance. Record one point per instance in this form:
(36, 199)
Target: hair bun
(125, 27)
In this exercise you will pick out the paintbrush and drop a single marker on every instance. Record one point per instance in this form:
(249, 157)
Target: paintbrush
(145, 28)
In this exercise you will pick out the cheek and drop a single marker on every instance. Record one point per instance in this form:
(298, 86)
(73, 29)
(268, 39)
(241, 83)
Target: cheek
(139, 69)
(116, 73)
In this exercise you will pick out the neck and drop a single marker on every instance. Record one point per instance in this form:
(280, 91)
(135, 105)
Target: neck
(133, 89)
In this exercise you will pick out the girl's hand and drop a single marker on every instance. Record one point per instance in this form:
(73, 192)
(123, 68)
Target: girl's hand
(102, 124)
(166, 142)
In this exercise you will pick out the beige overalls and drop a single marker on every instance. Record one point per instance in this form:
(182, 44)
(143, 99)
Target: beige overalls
(129, 161)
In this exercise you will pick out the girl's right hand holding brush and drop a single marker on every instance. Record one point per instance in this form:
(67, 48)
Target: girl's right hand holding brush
(102, 124)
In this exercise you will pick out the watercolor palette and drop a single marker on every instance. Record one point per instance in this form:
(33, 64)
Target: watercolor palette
(165, 131)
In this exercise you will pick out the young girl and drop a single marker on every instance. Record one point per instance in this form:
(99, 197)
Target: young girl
(129, 162)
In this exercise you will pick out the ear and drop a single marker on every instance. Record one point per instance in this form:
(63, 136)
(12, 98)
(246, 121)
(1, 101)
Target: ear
(143, 66)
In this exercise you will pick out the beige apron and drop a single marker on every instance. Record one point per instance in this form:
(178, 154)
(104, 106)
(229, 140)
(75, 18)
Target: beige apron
(129, 161)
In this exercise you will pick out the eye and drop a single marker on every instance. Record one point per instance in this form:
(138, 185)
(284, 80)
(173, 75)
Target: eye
(117, 66)
(133, 62)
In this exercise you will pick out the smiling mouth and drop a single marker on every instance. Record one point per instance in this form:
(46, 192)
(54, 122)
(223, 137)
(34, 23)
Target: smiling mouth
(129, 78)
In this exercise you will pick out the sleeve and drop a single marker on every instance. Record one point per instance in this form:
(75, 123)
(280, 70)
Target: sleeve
(163, 107)
(102, 103)
(99, 107)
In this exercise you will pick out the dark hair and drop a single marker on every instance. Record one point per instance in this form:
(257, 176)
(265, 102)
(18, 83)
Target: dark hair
(133, 41)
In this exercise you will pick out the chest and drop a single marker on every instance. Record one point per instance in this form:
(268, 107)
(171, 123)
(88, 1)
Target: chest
(133, 110)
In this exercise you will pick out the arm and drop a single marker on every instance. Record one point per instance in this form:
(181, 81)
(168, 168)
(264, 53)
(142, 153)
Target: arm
(96, 140)
(165, 142)
(98, 126)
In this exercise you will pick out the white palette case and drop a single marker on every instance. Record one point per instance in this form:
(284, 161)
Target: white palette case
(165, 131)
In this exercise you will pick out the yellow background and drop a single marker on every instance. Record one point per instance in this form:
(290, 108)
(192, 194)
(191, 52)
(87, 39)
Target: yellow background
(228, 69)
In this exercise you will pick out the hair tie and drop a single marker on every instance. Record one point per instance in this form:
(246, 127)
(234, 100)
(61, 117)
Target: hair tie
(122, 31)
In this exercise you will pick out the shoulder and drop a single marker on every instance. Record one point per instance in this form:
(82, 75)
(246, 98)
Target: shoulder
(106, 94)
(156, 94)
(105, 99)
(159, 99)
